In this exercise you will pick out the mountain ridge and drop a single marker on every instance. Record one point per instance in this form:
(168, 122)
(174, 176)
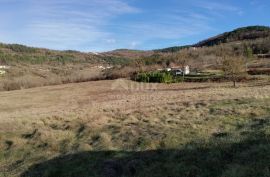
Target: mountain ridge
(238, 34)
(244, 33)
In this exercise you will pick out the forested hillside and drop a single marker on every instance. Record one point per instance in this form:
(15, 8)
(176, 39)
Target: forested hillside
(32, 67)
(240, 34)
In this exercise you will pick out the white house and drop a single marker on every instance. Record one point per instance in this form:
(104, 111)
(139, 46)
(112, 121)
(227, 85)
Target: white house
(178, 71)
(187, 70)
(4, 67)
(2, 72)
(168, 69)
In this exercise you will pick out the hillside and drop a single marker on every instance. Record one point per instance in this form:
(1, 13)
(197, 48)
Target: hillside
(207, 52)
(27, 67)
(122, 57)
(21, 53)
(15, 53)
(240, 34)
(243, 42)
(173, 49)
(33, 67)
(122, 128)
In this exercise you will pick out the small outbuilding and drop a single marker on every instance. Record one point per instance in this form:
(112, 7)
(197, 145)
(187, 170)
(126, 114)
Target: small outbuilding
(187, 70)
(178, 71)
(2, 72)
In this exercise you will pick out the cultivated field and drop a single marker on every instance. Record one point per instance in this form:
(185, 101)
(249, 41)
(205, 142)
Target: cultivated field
(122, 128)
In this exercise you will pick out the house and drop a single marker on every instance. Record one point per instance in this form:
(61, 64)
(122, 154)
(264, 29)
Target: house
(2, 72)
(178, 71)
(187, 70)
(4, 67)
(109, 67)
(101, 67)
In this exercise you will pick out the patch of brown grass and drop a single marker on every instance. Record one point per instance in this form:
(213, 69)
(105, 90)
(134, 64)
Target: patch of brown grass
(42, 123)
(20, 78)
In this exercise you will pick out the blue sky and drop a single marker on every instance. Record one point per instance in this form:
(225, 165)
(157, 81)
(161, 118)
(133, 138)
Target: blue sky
(102, 25)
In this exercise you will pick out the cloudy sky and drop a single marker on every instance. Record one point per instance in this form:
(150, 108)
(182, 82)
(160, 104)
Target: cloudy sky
(102, 25)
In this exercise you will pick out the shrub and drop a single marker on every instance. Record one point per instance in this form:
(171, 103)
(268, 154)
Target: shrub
(117, 60)
(123, 72)
(21, 48)
(23, 82)
(259, 71)
(142, 77)
(154, 77)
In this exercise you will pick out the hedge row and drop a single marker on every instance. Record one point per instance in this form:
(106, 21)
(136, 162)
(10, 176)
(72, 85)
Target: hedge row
(155, 77)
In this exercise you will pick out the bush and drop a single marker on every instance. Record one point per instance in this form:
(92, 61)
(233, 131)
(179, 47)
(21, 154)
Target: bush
(21, 48)
(154, 77)
(123, 72)
(23, 82)
(259, 71)
(142, 77)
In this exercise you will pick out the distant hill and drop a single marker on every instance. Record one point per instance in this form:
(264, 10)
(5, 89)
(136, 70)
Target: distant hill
(124, 52)
(16, 52)
(240, 34)
(172, 49)
(33, 67)
(128, 53)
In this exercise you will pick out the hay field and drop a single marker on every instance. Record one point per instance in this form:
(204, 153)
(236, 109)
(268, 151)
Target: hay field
(122, 128)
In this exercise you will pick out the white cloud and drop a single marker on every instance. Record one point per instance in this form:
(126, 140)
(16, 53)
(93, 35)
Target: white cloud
(111, 41)
(94, 25)
(64, 24)
(133, 45)
(219, 8)
(173, 26)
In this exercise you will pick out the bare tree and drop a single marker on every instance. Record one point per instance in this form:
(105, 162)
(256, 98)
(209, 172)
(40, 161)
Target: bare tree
(233, 67)
(248, 53)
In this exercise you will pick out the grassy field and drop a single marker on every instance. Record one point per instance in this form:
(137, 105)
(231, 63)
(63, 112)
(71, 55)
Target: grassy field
(123, 128)
(28, 67)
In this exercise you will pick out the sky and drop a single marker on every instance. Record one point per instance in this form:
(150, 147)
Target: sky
(103, 25)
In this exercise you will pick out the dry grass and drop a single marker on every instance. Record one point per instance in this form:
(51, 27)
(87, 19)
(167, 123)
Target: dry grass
(42, 123)
(29, 76)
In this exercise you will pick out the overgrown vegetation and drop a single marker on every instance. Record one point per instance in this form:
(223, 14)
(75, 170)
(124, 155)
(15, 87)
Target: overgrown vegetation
(21, 48)
(155, 77)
